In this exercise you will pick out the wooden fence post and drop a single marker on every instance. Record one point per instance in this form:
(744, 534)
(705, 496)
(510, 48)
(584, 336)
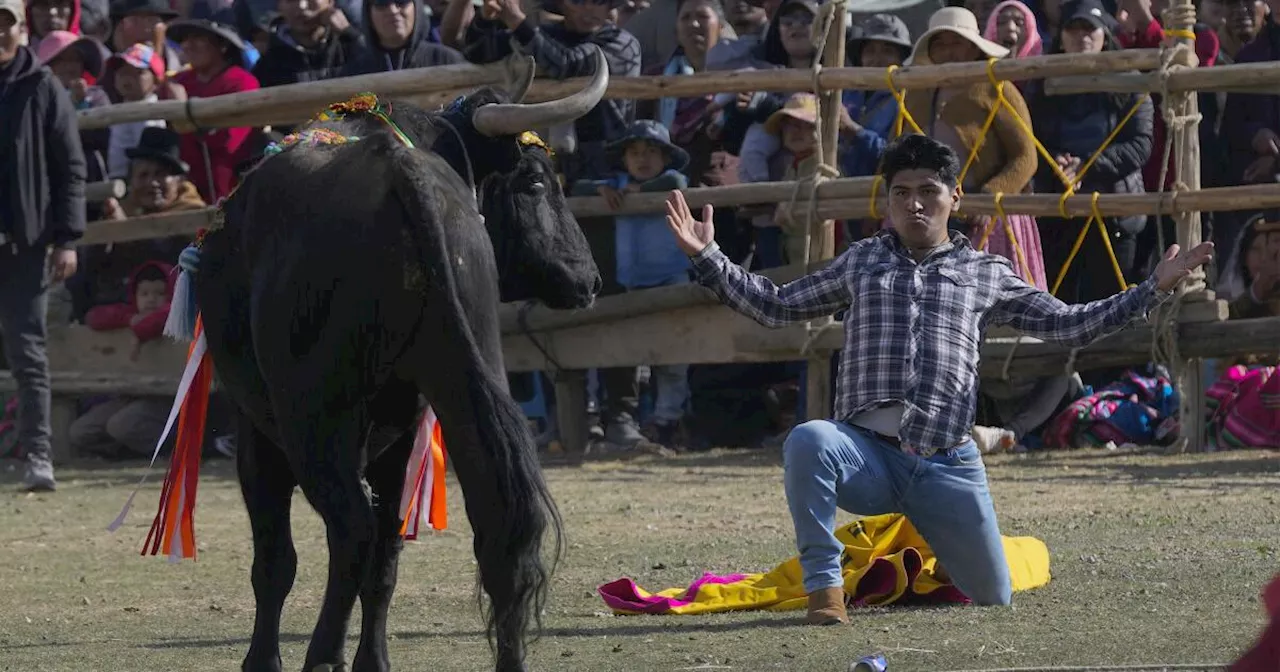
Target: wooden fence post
(818, 402)
(1186, 147)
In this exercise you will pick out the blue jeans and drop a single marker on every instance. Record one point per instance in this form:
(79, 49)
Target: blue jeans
(945, 496)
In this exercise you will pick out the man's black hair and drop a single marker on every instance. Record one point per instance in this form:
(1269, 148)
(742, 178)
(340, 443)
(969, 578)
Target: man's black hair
(920, 152)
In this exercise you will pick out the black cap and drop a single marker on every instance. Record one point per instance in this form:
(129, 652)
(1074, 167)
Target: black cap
(1090, 11)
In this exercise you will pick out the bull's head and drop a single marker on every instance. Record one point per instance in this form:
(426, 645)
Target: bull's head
(541, 251)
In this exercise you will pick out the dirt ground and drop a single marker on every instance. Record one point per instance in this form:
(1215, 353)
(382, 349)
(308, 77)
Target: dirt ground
(1156, 560)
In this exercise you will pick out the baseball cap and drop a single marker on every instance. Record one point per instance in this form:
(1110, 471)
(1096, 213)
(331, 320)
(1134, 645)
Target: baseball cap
(142, 57)
(1090, 11)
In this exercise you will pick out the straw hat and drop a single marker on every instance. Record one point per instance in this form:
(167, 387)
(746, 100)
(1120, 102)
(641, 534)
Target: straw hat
(800, 106)
(956, 20)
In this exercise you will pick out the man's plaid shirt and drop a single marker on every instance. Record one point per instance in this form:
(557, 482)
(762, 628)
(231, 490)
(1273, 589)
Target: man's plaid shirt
(913, 331)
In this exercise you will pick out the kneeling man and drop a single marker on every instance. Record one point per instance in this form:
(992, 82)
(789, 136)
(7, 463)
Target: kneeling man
(916, 299)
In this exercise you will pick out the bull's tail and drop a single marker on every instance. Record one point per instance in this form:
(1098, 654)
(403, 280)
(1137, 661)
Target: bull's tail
(507, 500)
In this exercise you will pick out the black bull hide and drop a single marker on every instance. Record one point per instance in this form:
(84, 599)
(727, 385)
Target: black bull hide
(348, 280)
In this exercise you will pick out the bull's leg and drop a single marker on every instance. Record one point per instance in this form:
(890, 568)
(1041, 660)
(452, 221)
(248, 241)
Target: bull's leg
(386, 476)
(326, 449)
(266, 482)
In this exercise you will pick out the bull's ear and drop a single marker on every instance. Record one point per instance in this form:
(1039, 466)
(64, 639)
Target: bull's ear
(517, 75)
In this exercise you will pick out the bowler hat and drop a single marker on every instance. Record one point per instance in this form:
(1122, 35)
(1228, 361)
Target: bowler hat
(181, 30)
(647, 130)
(161, 145)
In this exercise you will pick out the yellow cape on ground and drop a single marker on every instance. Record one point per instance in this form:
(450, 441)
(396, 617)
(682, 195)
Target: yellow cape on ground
(885, 561)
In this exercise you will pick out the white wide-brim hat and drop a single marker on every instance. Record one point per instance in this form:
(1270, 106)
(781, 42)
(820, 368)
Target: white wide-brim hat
(956, 20)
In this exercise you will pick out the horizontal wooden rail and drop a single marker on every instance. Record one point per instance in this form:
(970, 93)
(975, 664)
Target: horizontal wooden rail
(1238, 77)
(294, 103)
(835, 202)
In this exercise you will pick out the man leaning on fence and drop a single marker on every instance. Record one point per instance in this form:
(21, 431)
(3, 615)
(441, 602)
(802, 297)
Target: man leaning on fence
(916, 299)
(42, 173)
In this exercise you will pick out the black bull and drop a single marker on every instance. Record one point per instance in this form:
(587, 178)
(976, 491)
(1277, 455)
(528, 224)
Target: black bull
(348, 280)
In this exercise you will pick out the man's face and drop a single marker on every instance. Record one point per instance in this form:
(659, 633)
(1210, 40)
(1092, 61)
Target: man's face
(919, 206)
(585, 16)
(150, 295)
(302, 16)
(138, 28)
(10, 36)
(50, 15)
(745, 17)
(1243, 19)
(393, 21)
(153, 185)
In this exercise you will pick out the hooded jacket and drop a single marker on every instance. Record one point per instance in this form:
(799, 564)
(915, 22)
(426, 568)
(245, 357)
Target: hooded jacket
(42, 166)
(418, 52)
(73, 26)
(117, 315)
(287, 62)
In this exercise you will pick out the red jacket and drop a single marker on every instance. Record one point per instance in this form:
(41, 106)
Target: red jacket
(117, 315)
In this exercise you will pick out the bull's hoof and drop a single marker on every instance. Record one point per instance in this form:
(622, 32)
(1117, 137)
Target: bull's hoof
(329, 667)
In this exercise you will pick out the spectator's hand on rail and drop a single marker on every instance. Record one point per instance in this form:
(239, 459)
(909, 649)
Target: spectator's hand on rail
(692, 235)
(612, 196)
(63, 264)
(1177, 265)
(111, 209)
(1266, 286)
(847, 125)
(173, 90)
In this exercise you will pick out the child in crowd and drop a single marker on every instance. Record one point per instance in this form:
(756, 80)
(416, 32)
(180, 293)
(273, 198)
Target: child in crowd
(127, 426)
(644, 160)
(138, 72)
(77, 63)
(796, 127)
(1251, 280)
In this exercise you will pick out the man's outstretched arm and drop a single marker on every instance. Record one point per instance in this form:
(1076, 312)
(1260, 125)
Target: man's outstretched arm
(816, 295)
(1038, 313)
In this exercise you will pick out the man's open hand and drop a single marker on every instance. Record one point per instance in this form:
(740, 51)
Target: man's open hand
(1175, 266)
(692, 235)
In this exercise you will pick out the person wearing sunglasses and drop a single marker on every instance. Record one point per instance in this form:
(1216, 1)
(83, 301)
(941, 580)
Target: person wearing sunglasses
(398, 37)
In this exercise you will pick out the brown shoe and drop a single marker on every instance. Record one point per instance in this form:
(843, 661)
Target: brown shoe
(826, 607)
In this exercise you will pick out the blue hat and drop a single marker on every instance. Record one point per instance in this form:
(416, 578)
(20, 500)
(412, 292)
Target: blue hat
(648, 131)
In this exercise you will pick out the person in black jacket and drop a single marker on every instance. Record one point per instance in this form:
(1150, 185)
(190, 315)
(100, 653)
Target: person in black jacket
(398, 33)
(42, 174)
(1072, 128)
(312, 41)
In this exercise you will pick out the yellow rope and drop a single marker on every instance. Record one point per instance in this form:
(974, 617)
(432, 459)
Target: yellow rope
(1002, 217)
(1075, 249)
(898, 95)
(1110, 138)
(1182, 33)
(1106, 240)
(875, 192)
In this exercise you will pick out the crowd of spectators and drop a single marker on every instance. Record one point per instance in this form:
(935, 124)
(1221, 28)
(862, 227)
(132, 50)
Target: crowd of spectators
(104, 52)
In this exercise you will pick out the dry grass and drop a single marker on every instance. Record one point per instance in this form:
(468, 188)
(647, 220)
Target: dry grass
(1156, 560)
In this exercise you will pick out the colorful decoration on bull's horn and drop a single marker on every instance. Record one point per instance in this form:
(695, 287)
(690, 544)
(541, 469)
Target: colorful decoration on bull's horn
(423, 494)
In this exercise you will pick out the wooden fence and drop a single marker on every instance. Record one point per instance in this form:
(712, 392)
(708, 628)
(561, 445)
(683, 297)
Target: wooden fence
(684, 324)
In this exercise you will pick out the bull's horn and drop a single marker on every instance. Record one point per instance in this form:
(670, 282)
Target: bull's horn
(515, 118)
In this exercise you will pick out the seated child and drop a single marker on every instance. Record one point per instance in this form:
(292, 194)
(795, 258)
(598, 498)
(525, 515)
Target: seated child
(795, 124)
(125, 427)
(647, 254)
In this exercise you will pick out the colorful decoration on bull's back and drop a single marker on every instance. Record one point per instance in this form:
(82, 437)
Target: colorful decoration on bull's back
(173, 529)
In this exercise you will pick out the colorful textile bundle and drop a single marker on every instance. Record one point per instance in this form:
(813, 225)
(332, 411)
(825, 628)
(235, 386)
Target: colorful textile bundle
(885, 561)
(1244, 408)
(423, 494)
(1136, 409)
